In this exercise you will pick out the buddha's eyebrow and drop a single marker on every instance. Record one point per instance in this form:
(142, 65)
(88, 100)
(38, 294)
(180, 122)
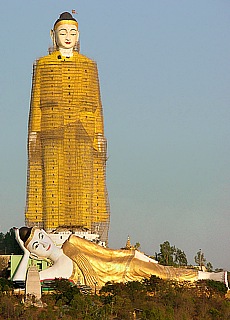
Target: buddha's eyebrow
(39, 235)
(34, 244)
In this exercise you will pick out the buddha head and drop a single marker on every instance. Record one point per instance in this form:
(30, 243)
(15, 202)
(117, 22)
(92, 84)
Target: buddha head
(65, 33)
(37, 241)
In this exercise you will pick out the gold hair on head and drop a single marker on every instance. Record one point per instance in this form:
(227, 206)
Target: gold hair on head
(66, 22)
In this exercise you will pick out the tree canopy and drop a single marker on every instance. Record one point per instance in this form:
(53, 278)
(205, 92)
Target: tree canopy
(171, 256)
(8, 243)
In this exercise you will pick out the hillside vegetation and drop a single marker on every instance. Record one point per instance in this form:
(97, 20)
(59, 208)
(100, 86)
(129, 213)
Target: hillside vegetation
(150, 299)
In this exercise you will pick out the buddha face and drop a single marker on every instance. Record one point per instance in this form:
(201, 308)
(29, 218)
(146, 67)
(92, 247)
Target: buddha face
(41, 245)
(66, 36)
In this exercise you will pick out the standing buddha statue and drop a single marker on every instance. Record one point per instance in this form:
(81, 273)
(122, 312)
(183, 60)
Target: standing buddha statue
(66, 180)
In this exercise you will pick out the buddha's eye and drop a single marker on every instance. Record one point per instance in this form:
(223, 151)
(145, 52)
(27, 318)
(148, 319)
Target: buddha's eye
(62, 32)
(41, 235)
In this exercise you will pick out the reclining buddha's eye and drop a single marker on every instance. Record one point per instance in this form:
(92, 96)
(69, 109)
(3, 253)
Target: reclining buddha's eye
(41, 235)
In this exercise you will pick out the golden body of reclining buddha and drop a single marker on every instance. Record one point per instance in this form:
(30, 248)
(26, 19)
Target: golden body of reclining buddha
(95, 264)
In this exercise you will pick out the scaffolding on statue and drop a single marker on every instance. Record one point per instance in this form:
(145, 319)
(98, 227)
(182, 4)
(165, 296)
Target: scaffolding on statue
(66, 180)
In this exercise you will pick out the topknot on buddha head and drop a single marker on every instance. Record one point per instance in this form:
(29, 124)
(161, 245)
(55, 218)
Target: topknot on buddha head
(65, 18)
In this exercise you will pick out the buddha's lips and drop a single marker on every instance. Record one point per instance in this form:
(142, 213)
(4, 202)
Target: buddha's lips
(48, 247)
(68, 42)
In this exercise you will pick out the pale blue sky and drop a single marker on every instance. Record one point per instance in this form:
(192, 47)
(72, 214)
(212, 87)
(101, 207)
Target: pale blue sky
(164, 68)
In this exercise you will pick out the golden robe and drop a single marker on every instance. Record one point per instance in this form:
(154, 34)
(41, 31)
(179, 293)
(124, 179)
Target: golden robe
(95, 265)
(66, 146)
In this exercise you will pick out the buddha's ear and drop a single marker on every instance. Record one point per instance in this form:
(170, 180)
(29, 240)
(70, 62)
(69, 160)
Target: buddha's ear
(52, 35)
(78, 34)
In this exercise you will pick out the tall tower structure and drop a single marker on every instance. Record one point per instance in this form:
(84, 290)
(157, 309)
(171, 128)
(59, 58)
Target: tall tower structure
(66, 180)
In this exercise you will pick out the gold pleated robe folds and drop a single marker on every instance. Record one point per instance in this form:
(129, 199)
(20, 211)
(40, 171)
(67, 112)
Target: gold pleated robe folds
(66, 181)
(95, 265)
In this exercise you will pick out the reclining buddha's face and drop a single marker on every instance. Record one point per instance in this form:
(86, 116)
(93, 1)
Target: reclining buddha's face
(66, 36)
(41, 244)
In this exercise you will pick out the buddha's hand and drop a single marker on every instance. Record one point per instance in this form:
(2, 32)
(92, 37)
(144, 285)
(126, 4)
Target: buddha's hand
(20, 242)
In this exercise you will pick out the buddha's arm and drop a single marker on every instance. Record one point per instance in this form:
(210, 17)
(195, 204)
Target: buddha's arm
(20, 274)
(34, 137)
(35, 112)
(100, 141)
(99, 126)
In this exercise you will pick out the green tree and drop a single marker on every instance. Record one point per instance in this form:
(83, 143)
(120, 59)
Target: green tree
(137, 246)
(134, 289)
(4, 266)
(165, 256)
(8, 243)
(2, 245)
(65, 291)
(154, 284)
(200, 259)
(209, 267)
(171, 256)
(180, 258)
(6, 285)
